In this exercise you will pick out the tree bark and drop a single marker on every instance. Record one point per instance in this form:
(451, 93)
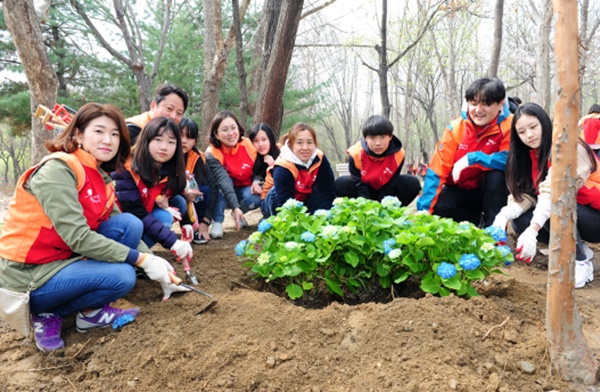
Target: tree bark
(543, 56)
(497, 45)
(269, 106)
(383, 66)
(239, 57)
(25, 30)
(569, 351)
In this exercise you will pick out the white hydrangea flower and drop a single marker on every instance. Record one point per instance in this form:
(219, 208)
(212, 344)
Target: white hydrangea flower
(390, 201)
(337, 200)
(395, 253)
(290, 203)
(487, 247)
(291, 245)
(263, 258)
(321, 213)
(329, 231)
(254, 237)
(349, 230)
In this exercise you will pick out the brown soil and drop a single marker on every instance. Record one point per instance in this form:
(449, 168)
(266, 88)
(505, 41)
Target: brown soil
(257, 341)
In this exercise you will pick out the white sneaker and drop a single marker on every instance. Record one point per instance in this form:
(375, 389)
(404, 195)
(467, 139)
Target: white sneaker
(216, 230)
(589, 254)
(584, 273)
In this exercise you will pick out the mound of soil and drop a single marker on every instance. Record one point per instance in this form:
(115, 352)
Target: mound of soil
(253, 340)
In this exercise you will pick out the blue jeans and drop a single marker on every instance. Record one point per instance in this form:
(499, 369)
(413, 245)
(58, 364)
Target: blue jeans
(91, 284)
(165, 216)
(247, 200)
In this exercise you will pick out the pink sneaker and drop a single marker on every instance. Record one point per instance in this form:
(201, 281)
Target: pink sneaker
(46, 330)
(105, 317)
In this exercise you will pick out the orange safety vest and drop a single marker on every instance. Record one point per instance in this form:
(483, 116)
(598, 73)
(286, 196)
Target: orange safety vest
(237, 161)
(303, 179)
(375, 172)
(29, 236)
(192, 158)
(589, 193)
(140, 120)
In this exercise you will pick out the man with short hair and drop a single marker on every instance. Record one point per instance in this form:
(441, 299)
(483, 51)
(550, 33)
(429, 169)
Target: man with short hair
(465, 180)
(169, 101)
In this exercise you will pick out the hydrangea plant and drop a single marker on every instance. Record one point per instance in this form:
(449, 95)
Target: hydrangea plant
(360, 240)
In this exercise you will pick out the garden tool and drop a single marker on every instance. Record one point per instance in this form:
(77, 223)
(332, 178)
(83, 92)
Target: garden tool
(189, 277)
(177, 281)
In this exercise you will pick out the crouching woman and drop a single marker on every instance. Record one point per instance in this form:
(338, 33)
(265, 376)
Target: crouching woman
(63, 238)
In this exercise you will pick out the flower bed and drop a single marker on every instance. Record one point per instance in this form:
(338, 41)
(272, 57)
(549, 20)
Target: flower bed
(361, 241)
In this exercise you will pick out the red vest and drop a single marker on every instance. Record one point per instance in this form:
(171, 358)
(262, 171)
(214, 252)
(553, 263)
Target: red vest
(237, 161)
(28, 235)
(375, 172)
(303, 179)
(148, 194)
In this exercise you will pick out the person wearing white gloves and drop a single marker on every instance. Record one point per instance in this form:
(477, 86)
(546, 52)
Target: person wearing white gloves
(465, 179)
(151, 184)
(528, 178)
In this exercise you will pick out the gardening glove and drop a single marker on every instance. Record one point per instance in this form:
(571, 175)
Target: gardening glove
(508, 212)
(182, 250)
(527, 245)
(459, 165)
(156, 268)
(170, 288)
(187, 233)
(175, 212)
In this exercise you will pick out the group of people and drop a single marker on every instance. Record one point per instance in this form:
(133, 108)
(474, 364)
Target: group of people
(79, 228)
(417, 170)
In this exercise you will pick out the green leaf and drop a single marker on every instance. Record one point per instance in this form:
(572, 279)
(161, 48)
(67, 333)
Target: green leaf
(307, 286)
(430, 285)
(425, 241)
(452, 283)
(383, 269)
(444, 292)
(471, 292)
(334, 287)
(400, 276)
(475, 274)
(351, 258)
(385, 281)
(294, 291)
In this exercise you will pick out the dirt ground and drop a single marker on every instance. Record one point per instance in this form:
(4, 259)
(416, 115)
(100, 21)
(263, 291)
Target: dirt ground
(256, 341)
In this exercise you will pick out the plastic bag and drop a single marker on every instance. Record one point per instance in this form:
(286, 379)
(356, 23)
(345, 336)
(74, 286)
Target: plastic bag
(14, 309)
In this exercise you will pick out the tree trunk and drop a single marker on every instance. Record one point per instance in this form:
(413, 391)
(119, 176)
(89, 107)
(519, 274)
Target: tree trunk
(497, 45)
(542, 55)
(569, 351)
(239, 57)
(383, 66)
(24, 28)
(269, 105)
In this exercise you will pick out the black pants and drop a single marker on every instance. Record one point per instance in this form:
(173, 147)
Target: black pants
(406, 188)
(587, 227)
(478, 206)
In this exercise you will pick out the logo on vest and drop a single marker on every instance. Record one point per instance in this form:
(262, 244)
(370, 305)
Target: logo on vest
(245, 166)
(490, 142)
(387, 170)
(463, 147)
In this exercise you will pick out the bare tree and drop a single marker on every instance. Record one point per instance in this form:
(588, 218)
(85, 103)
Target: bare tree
(542, 55)
(569, 351)
(24, 28)
(239, 57)
(587, 31)
(127, 23)
(497, 45)
(269, 105)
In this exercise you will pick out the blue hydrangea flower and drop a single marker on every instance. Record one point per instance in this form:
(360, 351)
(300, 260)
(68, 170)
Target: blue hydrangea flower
(123, 320)
(497, 234)
(240, 247)
(446, 270)
(307, 236)
(469, 262)
(389, 242)
(264, 226)
(387, 249)
(505, 251)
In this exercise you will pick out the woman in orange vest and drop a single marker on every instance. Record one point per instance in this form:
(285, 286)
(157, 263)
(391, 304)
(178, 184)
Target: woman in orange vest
(263, 138)
(65, 241)
(301, 172)
(528, 178)
(230, 157)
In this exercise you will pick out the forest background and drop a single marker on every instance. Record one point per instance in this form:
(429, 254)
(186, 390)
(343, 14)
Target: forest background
(346, 61)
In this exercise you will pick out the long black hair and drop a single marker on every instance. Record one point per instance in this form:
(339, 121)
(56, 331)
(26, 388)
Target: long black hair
(260, 167)
(147, 168)
(518, 166)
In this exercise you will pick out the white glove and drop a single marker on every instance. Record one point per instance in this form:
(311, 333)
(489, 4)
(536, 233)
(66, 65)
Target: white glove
(175, 212)
(187, 233)
(500, 221)
(508, 212)
(527, 245)
(170, 288)
(156, 268)
(459, 166)
(182, 249)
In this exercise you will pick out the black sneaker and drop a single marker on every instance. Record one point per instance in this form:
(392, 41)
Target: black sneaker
(199, 241)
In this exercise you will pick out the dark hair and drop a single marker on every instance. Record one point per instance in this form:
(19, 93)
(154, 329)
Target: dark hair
(190, 126)
(65, 140)
(513, 104)
(518, 164)
(165, 90)
(216, 122)
(260, 167)
(377, 125)
(146, 167)
(487, 90)
(297, 128)
(595, 108)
